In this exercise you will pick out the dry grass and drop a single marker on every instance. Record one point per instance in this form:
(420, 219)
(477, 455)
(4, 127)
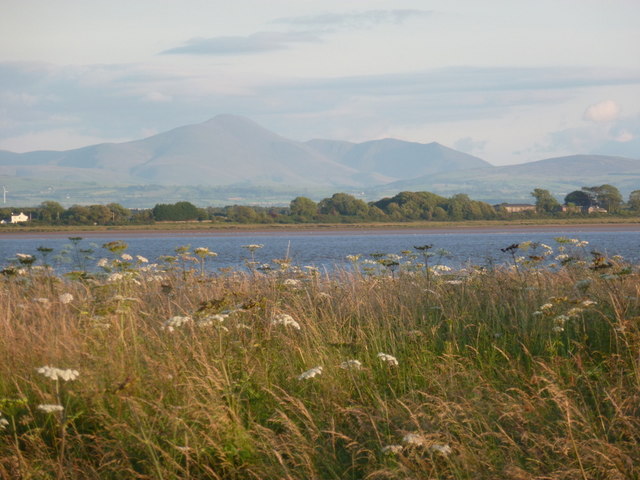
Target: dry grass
(489, 383)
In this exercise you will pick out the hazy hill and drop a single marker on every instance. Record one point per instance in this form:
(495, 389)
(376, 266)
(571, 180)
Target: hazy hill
(231, 159)
(510, 183)
(224, 150)
(397, 159)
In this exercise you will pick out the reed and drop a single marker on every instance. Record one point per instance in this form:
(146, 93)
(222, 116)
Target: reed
(383, 370)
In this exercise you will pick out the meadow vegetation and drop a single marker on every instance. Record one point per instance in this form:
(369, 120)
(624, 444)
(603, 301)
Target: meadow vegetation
(393, 367)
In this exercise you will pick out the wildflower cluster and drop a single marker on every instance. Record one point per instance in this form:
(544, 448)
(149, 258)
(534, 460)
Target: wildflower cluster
(286, 320)
(57, 373)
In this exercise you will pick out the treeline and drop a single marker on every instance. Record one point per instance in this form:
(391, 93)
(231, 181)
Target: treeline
(344, 208)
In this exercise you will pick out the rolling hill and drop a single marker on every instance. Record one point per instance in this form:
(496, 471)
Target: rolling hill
(231, 159)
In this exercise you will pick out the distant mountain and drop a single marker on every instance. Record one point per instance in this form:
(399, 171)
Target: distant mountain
(232, 159)
(224, 150)
(510, 183)
(397, 159)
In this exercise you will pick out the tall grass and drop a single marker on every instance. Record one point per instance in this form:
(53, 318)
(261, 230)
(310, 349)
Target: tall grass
(520, 372)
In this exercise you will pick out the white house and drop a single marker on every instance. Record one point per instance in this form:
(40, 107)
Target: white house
(21, 217)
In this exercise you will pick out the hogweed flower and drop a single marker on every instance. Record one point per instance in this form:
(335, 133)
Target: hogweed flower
(142, 259)
(175, 322)
(204, 252)
(310, 373)
(50, 408)
(389, 359)
(444, 450)
(252, 247)
(291, 282)
(126, 257)
(414, 439)
(65, 298)
(351, 365)
(57, 373)
(25, 258)
(286, 320)
(392, 449)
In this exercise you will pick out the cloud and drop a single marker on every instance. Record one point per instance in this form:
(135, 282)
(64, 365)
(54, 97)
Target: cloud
(157, 97)
(256, 43)
(353, 20)
(605, 111)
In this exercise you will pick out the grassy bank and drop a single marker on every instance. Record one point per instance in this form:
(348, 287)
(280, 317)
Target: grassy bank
(389, 370)
(214, 227)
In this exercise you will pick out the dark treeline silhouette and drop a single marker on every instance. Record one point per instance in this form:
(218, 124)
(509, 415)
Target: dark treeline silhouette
(344, 208)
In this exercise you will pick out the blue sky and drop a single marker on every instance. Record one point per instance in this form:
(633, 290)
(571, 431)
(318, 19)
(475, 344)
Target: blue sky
(509, 81)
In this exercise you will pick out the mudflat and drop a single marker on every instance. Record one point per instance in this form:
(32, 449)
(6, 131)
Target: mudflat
(208, 230)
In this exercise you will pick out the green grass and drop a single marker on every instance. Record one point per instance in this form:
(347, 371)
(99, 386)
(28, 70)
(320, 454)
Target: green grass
(489, 383)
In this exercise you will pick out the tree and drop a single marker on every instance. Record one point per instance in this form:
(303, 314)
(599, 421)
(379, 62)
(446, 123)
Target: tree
(51, 211)
(545, 202)
(177, 212)
(634, 201)
(606, 196)
(303, 207)
(119, 214)
(578, 198)
(343, 204)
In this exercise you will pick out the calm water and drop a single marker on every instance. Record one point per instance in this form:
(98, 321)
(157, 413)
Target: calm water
(327, 251)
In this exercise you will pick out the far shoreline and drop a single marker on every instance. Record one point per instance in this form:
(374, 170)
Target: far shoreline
(205, 229)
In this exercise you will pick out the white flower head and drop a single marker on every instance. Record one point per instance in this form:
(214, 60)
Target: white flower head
(392, 449)
(175, 322)
(286, 320)
(142, 259)
(126, 257)
(65, 298)
(291, 282)
(50, 408)
(389, 359)
(58, 373)
(444, 450)
(4, 423)
(351, 365)
(103, 262)
(414, 439)
(310, 373)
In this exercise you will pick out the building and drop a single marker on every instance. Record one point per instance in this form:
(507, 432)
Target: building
(515, 207)
(20, 218)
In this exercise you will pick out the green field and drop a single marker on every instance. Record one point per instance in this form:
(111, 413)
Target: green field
(392, 369)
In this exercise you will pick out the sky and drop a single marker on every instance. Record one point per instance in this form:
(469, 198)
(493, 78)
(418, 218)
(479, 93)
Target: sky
(510, 81)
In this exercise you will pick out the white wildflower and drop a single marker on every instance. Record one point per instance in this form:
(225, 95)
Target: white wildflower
(115, 277)
(454, 282)
(142, 259)
(175, 322)
(588, 303)
(559, 323)
(574, 312)
(414, 439)
(286, 320)
(351, 365)
(546, 306)
(582, 244)
(252, 247)
(65, 298)
(441, 268)
(444, 450)
(211, 320)
(562, 257)
(103, 262)
(353, 258)
(203, 252)
(24, 256)
(4, 423)
(57, 373)
(291, 282)
(310, 373)
(392, 449)
(42, 300)
(126, 257)
(50, 408)
(389, 359)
